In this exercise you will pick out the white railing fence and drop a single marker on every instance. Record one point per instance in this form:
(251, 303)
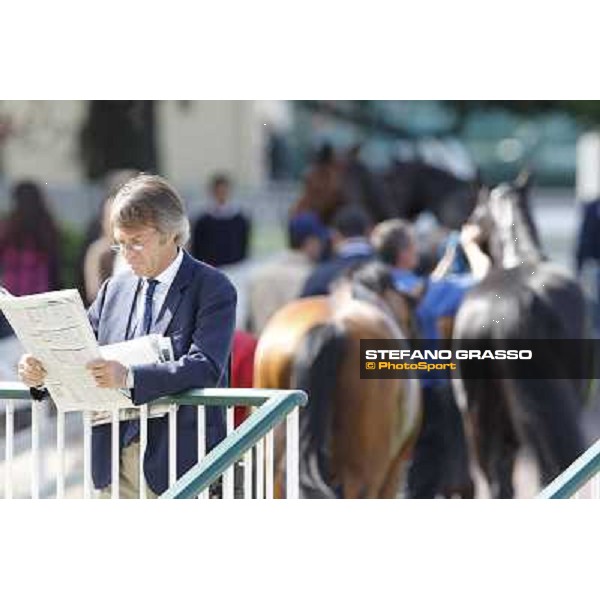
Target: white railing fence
(50, 456)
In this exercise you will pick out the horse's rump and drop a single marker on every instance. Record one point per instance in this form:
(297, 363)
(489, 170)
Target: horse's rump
(354, 433)
(529, 302)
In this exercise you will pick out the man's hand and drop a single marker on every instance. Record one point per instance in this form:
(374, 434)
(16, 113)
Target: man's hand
(470, 234)
(108, 373)
(479, 262)
(31, 371)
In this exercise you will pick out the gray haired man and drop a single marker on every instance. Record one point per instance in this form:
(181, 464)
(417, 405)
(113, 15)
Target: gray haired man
(166, 292)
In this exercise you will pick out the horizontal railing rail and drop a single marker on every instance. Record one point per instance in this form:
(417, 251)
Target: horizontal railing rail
(12, 390)
(573, 479)
(253, 441)
(275, 409)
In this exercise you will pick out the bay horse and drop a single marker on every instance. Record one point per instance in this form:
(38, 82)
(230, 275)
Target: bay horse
(356, 434)
(523, 297)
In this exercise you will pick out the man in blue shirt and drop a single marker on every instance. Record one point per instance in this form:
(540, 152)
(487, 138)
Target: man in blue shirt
(440, 462)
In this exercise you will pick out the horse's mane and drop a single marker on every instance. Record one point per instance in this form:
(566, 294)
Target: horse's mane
(370, 281)
(515, 240)
(373, 277)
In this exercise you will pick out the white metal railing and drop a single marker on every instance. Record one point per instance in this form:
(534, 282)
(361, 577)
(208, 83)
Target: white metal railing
(589, 490)
(52, 457)
(581, 480)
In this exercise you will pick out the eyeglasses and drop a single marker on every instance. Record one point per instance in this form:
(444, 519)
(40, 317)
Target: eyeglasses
(122, 248)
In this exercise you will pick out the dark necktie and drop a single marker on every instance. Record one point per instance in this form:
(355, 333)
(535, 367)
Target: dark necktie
(130, 430)
(147, 323)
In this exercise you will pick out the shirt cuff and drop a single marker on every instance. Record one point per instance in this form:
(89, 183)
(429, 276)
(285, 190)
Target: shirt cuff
(130, 380)
(126, 391)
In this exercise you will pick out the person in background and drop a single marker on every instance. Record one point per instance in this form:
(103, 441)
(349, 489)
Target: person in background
(221, 235)
(440, 463)
(99, 263)
(274, 284)
(99, 259)
(29, 260)
(351, 247)
(29, 244)
(587, 256)
(242, 369)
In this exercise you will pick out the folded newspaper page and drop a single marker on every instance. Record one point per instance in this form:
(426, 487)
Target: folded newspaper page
(54, 328)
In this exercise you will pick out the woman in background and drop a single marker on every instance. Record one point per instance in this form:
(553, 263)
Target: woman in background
(29, 244)
(99, 260)
(29, 260)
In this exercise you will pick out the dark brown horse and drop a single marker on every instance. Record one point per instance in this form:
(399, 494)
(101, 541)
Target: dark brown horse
(523, 297)
(355, 434)
(411, 187)
(404, 190)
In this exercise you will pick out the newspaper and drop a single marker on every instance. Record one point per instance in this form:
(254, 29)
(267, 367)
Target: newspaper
(54, 328)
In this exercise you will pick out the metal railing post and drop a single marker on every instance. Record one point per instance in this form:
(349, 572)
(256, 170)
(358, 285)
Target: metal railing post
(202, 442)
(115, 455)
(10, 441)
(143, 445)
(228, 476)
(172, 444)
(60, 451)
(269, 465)
(35, 450)
(87, 454)
(292, 454)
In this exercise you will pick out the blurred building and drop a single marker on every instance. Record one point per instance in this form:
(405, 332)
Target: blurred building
(260, 141)
(191, 139)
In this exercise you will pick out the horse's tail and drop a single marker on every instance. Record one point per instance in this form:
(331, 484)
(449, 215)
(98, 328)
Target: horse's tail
(548, 413)
(314, 370)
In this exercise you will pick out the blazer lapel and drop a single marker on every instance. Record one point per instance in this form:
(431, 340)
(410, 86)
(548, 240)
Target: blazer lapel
(174, 296)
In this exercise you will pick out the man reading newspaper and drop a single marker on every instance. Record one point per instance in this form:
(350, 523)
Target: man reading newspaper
(168, 293)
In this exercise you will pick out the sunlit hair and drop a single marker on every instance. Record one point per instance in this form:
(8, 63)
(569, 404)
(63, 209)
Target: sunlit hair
(148, 200)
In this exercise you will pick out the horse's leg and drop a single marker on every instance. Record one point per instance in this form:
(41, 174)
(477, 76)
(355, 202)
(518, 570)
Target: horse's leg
(393, 485)
(368, 428)
(495, 440)
(458, 481)
(505, 464)
(426, 472)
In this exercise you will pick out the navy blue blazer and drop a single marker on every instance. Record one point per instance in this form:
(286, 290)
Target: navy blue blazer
(198, 315)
